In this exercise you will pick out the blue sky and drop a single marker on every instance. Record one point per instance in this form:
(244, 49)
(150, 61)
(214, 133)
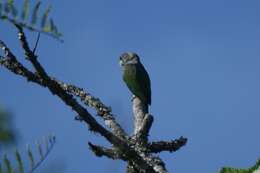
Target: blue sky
(203, 60)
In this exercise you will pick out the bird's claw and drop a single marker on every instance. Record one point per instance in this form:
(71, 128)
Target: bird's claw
(133, 97)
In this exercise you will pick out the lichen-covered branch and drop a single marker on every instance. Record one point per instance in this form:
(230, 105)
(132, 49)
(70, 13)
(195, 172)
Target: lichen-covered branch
(136, 150)
(171, 146)
(142, 124)
(139, 111)
(144, 128)
(142, 162)
(103, 151)
(102, 110)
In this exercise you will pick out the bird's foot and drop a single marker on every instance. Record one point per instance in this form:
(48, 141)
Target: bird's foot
(133, 97)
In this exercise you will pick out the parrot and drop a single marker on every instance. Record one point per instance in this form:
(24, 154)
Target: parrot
(136, 77)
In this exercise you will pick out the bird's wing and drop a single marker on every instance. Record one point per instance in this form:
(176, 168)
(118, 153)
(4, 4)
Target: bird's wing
(130, 77)
(144, 81)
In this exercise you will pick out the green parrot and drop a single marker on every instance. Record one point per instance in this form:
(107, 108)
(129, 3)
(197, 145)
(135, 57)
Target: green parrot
(136, 77)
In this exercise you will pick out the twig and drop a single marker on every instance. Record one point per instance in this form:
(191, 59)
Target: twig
(145, 128)
(170, 146)
(102, 110)
(42, 158)
(102, 151)
(37, 41)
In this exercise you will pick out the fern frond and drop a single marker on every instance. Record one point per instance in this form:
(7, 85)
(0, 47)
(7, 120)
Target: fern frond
(20, 162)
(30, 156)
(1, 171)
(1, 9)
(45, 17)
(34, 164)
(25, 12)
(12, 8)
(42, 154)
(39, 147)
(35, 13)
(8, 164)
(9, 12)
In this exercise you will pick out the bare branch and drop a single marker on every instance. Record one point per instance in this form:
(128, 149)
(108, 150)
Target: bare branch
(139, 110)
(10, 62)
(37, 41)
(142, 162)
(135, 150)
(170, 146)
(145, 128)
(143, 122)
(102, 151)
(102, 110)
(30, 54)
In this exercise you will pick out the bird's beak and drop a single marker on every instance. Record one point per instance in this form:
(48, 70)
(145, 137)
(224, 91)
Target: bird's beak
(121, 63)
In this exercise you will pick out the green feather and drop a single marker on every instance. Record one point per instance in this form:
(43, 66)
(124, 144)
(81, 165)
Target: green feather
(138, 81)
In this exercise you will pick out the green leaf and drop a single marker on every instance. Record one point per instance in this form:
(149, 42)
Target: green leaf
(52, 24)
(8, 164)
(53, 27)
(10, 2)
(1, 9)
(39, 147)
(6, 8)
(6, 131)
(1, 171)
(30, 155)
(47, 26)
(238, 170)
(19, 160)
(35, 13)
(45, 16)
(46, 143)
(14, 11)
(47, 29)
(12, 8)
(52, 139)
(25, 12)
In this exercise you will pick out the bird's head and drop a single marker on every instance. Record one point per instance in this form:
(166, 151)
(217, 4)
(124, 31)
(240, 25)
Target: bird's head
(129, 58)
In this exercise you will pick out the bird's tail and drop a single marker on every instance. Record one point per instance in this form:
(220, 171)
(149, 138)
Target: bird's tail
(146, 108)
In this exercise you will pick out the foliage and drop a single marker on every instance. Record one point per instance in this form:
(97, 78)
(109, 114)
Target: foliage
(47, 143)
(46, 25)
(252, 169)
(7, 134)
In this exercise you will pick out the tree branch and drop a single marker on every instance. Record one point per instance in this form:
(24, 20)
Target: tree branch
(142, 162)
(102, 151)
(170, 146)
(139, 111)
(102, 110)
(135, 150)
(142, 124)
(10, 62)
(144, 128)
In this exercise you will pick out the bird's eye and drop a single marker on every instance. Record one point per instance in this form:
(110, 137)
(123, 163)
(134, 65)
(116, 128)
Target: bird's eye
(120, 58)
